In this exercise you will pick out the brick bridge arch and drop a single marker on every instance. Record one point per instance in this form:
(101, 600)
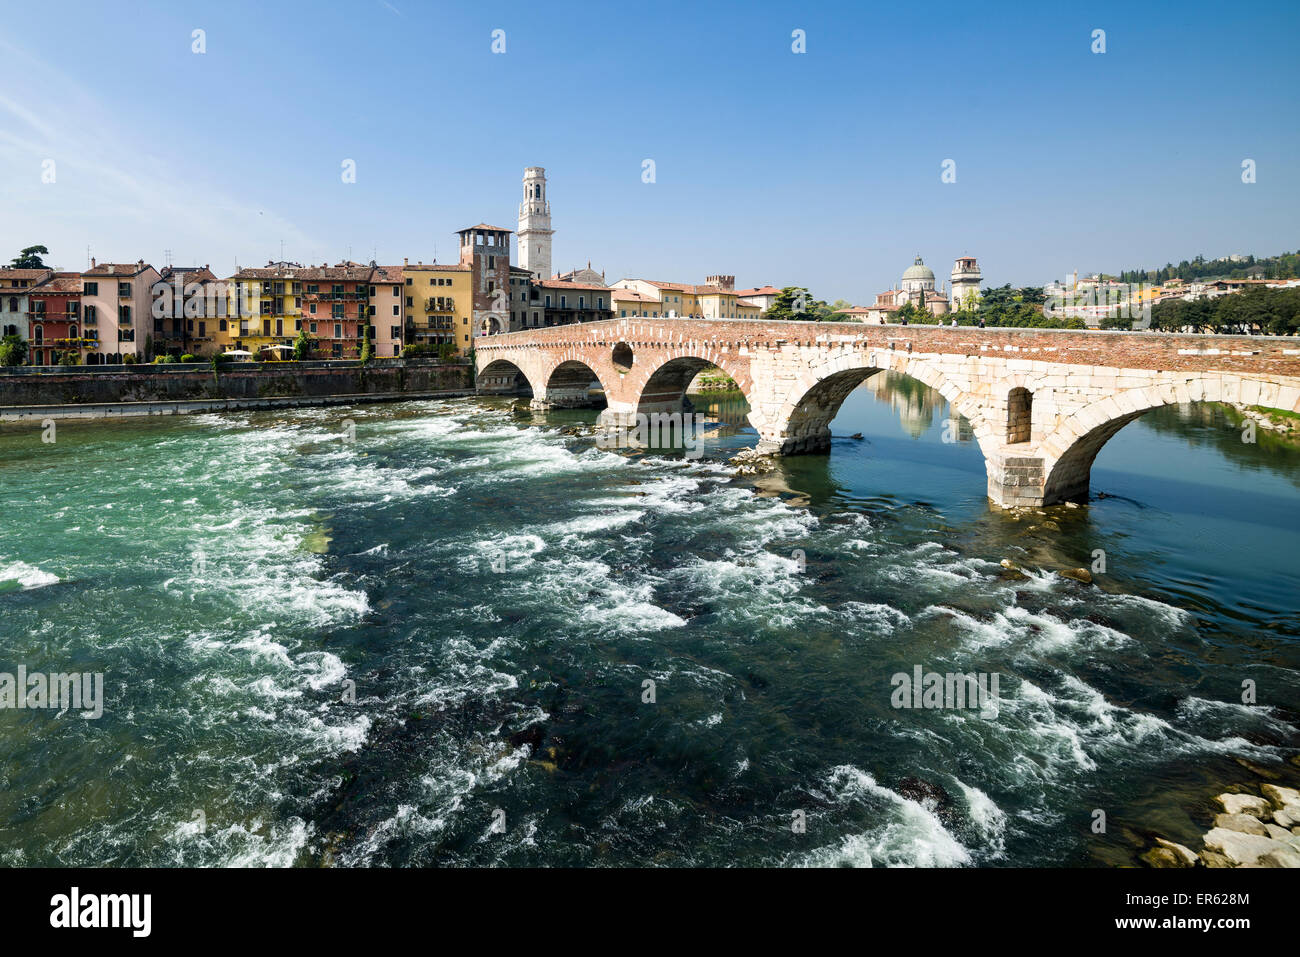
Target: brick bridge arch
(1041, 402)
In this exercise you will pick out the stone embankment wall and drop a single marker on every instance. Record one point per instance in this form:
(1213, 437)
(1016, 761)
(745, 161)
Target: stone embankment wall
(194, 388)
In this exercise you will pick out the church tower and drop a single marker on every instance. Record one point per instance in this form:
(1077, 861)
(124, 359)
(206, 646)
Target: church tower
(535, 225)
(966, 280)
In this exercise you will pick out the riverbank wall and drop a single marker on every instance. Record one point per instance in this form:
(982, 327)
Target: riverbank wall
(106, 392)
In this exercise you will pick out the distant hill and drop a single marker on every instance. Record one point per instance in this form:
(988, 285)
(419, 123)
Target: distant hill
(1284, 266)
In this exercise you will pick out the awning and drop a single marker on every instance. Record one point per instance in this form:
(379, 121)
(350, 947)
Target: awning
(236, 352)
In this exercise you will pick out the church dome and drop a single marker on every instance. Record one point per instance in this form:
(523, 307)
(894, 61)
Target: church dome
(919, 270)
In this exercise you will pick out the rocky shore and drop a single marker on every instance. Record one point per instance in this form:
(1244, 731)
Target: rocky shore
(1252, 831)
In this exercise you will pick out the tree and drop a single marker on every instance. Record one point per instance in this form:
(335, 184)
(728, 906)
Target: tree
(793, 303)
(304, 345)
(30, 258)
(366, 349)
(13, 350)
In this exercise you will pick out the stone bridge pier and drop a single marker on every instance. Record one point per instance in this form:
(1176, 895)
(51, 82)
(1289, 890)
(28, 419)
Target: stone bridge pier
(1040, 403)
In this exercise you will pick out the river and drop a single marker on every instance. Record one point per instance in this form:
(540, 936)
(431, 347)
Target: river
(421, 634)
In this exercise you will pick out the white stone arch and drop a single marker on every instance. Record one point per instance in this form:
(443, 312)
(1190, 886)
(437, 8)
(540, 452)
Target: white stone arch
(1044, 407)
(651, 369)
(1071, 448)
(828, 381)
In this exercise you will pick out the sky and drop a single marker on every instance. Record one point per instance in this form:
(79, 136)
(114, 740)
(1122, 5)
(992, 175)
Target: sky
(820, 169)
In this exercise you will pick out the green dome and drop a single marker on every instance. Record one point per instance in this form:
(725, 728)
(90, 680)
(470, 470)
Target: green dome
(918, 270)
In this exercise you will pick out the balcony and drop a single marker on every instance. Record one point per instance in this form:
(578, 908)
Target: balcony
(440, 304)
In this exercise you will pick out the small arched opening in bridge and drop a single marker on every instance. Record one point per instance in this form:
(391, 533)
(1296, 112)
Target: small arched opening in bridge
(1073, 447)
(1020, 415)
(572, 385)
(502, 377)
(622, 357)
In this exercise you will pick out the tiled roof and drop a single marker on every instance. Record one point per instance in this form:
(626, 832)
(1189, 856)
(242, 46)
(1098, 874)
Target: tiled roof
(61, 283)
(438, 267)
(761, 291)
(24, 273)
(352, 273)
(117, 269)
(486, 227)
(388, 274)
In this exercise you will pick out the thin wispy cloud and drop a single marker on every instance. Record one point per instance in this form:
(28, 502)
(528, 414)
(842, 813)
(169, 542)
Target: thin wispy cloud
(109, 193)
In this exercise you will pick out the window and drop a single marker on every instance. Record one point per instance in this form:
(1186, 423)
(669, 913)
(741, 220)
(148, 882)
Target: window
(410, 301)
(397, 290)
(124, 290)
(124, 315)
(311, 308)
(91, 289)
(313, 327)
(338, 330)
(394, 332)
(397, 311)
(90, 316)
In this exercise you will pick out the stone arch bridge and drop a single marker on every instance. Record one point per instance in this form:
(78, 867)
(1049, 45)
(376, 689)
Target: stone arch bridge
(1041, 402)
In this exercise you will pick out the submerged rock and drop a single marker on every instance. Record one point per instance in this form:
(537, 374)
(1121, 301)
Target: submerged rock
(1078, 574)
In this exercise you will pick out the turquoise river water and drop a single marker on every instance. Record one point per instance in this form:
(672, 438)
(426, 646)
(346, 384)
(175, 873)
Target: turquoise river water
(420, 634)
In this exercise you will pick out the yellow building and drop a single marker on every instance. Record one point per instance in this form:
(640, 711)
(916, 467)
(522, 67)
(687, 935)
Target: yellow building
(438, 304)
(265, 312)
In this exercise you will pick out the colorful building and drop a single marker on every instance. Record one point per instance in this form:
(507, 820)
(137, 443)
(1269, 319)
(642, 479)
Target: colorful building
(189, 312)
(565, 301)
(14, 286)
(387, 294)
(335, 304)
(438, 304)
(267, 301)
(116, 308)
(54, 321)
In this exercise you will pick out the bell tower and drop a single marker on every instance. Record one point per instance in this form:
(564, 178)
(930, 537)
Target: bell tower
(535, 225)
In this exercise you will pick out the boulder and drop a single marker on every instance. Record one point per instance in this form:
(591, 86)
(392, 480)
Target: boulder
(1185, 855)
(1215, 859)
(1078, 574)
(1162, 857)
(1243, 848)
(1282, 857)
(1280, 796)
(1245, 804)
(1279, 833)
(1288, 816)
(1240, 822)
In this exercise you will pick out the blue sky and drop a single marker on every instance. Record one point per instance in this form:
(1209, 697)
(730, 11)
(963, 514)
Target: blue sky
(820, 169)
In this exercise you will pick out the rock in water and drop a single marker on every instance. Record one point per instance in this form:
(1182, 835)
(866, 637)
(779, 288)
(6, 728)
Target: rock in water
(1078, 574)
(1280, 796)
(1245, 804)
(1247, 848)
(1240, 822)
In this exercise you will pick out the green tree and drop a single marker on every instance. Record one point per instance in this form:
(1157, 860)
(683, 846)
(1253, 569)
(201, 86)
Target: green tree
(13, 350)
(794, 303)
(30, 258)
(304, 345)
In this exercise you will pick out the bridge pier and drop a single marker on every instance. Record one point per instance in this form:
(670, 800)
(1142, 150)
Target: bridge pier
(1016, 478)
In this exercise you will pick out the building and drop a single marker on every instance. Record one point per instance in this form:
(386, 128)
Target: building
(54, 321)
(116, 309)
(267, 301)
(486, 250)
(762, 296)
(715, 299)
(188, 314)
(916, 287)
(525, 302)
(438, 304)
(564, 301)
(965, 279)
(535, 230)
(14, 306)
(387, 322)
(335, 307)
